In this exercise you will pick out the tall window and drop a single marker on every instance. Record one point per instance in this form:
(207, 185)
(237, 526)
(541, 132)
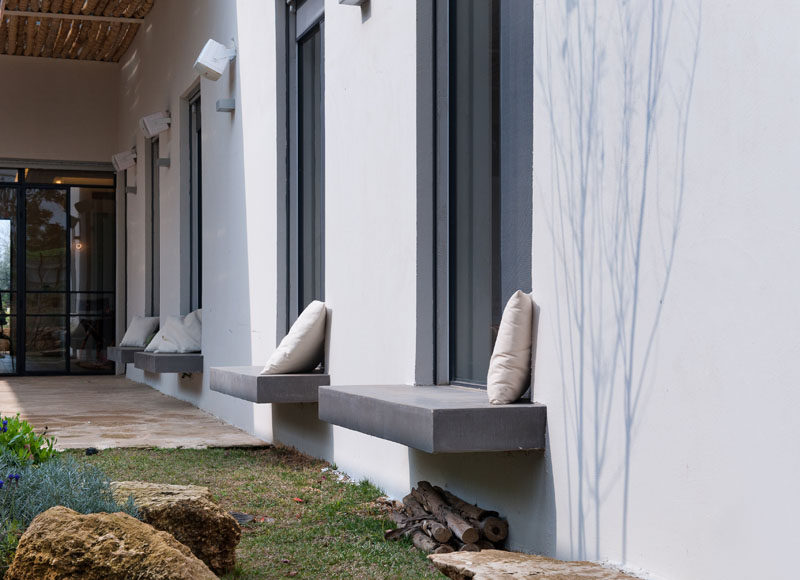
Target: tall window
(195, 205)
(303, 47)
(488, 183)
(153, 227)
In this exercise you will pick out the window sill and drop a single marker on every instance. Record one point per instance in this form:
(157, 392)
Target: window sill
(152, 362)
(123, 354)
(441, 419)
(247, 383)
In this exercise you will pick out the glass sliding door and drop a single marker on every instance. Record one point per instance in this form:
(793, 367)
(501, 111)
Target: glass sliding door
(57, 317)
(92, 278)
(46, 279)
(8, 280)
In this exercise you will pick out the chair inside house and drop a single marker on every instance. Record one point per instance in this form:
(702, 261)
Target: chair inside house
(249, 382)
(441, 418)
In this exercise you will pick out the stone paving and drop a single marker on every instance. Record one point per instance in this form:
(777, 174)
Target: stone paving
(111, 411)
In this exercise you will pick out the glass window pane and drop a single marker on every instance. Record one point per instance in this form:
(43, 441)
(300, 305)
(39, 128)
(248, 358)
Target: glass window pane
(195, 206)
(92, 239)
(45, 343)
(46, 303)
(8, 237)
(310, 167)
(8, 176)
(90, 337)
(68, 177)
(46, 232)
(8, 346)
(474, 188)
(92, 303)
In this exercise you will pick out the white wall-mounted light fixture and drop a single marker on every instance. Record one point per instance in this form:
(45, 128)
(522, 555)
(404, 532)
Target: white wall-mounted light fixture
(226, 105)
(124, 159)
(155, 124)
(353, 2)
(214, 59)
(163, 161)
(130, 189)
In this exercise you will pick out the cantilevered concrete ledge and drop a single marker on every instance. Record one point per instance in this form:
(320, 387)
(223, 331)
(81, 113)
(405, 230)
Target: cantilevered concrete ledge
(246, 383)
(153, 362)
(440, 419)
(123, 354)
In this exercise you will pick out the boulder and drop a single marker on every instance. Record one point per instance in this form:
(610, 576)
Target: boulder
(188, 513)
(62, 544)
(501, 565)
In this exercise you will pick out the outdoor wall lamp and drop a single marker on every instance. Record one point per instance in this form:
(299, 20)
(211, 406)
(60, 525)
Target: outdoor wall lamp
(214, 59)
(124, 160)
(155, 124)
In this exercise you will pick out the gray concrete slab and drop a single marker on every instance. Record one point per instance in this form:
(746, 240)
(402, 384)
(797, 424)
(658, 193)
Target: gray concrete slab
(247, 383)
(440, 419)
(109, 411)
(123, 354)
(152, 362)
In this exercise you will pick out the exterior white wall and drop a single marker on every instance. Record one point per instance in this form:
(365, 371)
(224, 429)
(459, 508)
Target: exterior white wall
(238, 261)
(698, 422)
(668, 426)
(57, 110)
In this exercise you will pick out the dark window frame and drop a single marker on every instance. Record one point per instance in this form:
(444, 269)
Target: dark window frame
(295, 22)
(433, 364)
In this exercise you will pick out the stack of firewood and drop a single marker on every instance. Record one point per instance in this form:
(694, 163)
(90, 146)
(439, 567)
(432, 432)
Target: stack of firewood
(438, 522)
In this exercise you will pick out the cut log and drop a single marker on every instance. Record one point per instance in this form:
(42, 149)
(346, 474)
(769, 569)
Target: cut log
(466, 509)
(469, 548)
(443, 549)
(424, 542)
(436, 504)
(437, 531)
(414, 508)
(486, 545)
(494, 529)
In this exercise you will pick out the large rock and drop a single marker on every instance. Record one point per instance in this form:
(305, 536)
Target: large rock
(500, 565)
(188, 513)
(62, 544)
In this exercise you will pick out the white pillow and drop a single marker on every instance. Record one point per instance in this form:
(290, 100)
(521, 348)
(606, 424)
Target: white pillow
(510, 365)
(139, 331)
(179, 334)
(302, 349)
(183, 334)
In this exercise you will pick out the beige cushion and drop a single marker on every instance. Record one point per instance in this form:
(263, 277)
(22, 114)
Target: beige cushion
(510, 365)
(141, 328)
(179, 334)
(302, 349)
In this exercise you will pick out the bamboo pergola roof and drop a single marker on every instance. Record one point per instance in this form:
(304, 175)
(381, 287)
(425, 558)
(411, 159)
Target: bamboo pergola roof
(100, 30)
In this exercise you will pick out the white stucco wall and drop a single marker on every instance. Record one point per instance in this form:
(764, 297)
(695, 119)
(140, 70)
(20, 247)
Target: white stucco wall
(57, 110)
(697, 422)
(668, 420)
(157, 74)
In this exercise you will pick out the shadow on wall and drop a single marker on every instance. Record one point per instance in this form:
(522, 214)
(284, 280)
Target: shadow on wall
(614, 84)
(519, 485)
(298, 425)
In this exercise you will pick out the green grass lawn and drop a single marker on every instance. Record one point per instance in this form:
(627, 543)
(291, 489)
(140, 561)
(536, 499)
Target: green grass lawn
(336, 531)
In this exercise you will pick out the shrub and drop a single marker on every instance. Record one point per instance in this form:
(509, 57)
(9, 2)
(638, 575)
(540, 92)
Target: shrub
(18, 438)
(27, 489)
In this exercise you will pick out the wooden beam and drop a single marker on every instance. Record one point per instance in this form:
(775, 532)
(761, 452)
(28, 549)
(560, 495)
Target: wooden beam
(73, 16)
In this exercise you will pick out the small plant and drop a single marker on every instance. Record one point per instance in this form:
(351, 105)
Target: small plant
(18, 438)
(10, 533)
(63, 481)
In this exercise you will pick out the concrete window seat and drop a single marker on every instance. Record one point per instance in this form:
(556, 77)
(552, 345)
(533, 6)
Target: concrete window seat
(123, 354)
(439, 419)
(153, 362)
(247, 383)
